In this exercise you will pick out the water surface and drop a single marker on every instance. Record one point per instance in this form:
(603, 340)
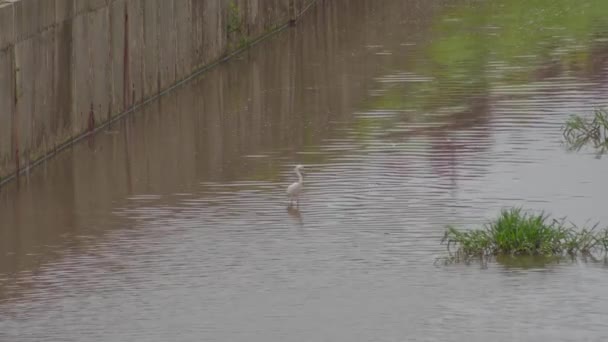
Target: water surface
(408, 115)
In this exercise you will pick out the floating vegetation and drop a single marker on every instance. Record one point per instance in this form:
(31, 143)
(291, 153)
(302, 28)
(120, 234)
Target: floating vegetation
(519, 233)
(579, 132)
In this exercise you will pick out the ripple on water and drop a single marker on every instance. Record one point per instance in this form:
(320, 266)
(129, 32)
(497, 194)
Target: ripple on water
(224, 259)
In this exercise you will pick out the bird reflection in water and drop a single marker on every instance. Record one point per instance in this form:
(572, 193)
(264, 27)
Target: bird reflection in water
(294, 212)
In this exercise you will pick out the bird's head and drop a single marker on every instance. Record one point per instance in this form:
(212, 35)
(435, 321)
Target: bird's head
(299, 167)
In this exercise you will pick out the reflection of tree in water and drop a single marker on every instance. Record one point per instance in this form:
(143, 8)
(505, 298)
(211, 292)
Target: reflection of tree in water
(474, 138)
(265, 103)
(271, 101)
(444, 85)
(460, 136)
(597, 67)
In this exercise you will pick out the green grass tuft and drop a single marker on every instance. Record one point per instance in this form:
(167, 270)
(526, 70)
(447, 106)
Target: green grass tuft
(517, 233)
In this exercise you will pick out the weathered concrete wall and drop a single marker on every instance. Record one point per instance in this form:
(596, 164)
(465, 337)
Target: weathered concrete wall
(68, 66)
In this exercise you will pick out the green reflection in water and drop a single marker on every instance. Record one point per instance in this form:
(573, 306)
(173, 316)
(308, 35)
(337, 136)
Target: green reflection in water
(474, 48)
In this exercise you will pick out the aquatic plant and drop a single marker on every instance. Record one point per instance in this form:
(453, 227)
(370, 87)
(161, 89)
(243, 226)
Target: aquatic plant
(516, 232)
(579, 132)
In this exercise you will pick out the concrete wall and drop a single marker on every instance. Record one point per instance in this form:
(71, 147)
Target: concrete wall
(68, 66)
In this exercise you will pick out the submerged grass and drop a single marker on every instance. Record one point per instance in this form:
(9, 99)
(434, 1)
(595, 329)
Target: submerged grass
(579, 132)
(516, 232)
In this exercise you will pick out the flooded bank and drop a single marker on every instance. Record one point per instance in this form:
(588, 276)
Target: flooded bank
(408, 115)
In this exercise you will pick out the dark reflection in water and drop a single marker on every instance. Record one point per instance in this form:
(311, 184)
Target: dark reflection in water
(173, 224)
(531, 262)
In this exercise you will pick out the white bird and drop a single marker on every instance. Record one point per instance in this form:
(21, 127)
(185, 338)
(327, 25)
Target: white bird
(294, 190)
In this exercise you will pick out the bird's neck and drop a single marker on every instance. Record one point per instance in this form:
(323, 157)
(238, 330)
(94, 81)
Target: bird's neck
(300, 180)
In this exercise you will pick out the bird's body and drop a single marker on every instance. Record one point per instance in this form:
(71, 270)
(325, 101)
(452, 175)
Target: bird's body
(294, 190)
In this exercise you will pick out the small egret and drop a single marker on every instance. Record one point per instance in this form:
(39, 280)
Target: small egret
(294, 190)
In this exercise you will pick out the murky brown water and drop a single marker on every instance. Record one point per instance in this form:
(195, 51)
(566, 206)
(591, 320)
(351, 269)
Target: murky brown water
(409, 115)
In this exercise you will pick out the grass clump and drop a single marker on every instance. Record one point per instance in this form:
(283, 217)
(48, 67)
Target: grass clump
(516, 232)
(579, 132)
